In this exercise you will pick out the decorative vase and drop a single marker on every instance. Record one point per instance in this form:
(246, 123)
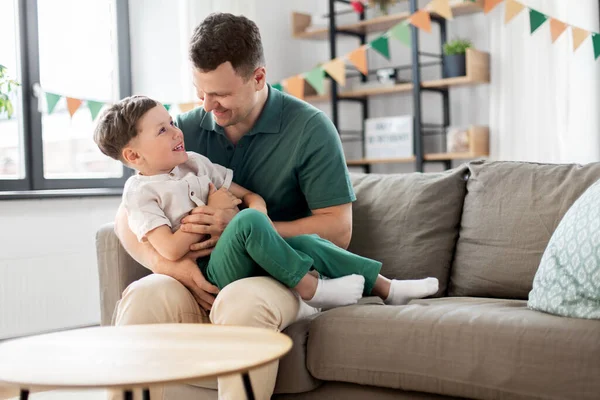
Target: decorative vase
(455, 65)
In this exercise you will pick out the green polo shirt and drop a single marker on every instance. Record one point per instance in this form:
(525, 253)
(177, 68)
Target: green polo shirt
(292, 157)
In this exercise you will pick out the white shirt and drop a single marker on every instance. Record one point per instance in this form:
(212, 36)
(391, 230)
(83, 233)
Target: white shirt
(152, 201)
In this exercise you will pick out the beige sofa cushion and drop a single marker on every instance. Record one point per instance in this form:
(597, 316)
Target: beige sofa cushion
(510, 212)
(409, 222)
(465, 347)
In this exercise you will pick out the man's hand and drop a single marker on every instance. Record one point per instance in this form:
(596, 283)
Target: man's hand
(208, 221)
(222, 198)
(187, 272)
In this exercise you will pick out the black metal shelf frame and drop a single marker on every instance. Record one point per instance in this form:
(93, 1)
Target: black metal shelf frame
(419, 128)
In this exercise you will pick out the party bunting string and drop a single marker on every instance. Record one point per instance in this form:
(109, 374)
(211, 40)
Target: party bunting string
(74, 104)
(421, 19)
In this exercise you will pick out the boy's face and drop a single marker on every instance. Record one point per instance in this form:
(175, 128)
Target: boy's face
(228, 96)
(158, 147)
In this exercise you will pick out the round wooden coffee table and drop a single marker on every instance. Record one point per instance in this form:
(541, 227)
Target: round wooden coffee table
(128, 357)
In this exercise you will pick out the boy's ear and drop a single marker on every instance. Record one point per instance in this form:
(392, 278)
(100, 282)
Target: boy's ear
(130, 156)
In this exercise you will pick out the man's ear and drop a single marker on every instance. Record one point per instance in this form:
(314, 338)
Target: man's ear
(130, 156)
(260, 78)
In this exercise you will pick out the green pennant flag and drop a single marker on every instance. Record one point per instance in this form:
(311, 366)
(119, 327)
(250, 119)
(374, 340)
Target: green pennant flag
(381, 45)
(401, 32)
(95, 107)
(277, 86)
(536, 19)
(315, 78)
(596, 41)
(51, 100)
(167, 107)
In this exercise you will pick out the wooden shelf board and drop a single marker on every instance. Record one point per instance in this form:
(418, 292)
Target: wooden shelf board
(452, 156)
(383, 23)
(428, 157)
(399, 88)
(367, 161)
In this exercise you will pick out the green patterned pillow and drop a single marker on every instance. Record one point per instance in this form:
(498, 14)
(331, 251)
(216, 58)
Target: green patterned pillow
(567, 282)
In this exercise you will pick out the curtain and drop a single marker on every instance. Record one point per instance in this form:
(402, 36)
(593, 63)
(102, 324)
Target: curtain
(544, 99)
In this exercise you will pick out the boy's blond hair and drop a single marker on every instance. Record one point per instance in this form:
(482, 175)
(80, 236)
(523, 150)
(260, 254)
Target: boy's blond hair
(118, 125)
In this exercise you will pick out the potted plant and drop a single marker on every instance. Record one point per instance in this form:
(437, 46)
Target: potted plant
(7, 86)
(455, 57)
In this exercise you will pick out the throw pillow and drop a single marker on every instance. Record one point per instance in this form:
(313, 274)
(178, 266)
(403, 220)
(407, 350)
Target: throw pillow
(567, 282)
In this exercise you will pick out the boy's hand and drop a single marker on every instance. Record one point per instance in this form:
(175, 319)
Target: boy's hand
(208, 221)
(221, 198)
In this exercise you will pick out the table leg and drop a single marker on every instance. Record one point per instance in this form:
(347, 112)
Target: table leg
(127, 395)
(248, 386)
(146, 394)
(24, 394)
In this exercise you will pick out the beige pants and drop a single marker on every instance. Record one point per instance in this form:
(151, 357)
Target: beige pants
(259, 302)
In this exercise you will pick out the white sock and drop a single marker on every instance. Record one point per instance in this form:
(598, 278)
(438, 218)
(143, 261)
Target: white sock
(338, 292)
(401, 292)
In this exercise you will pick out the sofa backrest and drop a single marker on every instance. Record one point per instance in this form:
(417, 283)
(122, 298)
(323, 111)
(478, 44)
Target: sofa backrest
(510, 211)
(409, 222)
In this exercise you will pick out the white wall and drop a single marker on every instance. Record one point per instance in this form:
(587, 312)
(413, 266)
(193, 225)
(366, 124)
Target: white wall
(48, 273)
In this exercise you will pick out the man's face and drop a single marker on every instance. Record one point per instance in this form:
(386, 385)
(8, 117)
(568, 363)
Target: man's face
(228, 96)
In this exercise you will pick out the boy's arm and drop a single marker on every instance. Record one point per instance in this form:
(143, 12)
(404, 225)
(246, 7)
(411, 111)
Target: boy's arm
(251, 200)
(172, 245)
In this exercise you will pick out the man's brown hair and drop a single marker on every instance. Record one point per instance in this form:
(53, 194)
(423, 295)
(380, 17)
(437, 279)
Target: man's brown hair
(118, 124)
(225, 37)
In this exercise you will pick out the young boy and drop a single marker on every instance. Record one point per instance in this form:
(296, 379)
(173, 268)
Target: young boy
(170, 182)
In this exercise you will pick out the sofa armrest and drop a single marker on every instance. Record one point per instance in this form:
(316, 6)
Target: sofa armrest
(116, 270)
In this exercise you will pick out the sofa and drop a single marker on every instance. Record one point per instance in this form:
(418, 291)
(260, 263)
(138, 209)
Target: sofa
(481, 229)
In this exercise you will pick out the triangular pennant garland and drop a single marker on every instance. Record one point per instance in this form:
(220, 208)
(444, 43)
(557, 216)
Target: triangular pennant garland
(315, 78)
(579, 35)
(95, 107)
(336, 68)
(51, 100)
(358, 58)
(167, 107)
(422, 20)
(489, 5)
(512, 9)
(441, 7)
(556, 28)
(596, 41)
(73, 105)
(401, 32)
(295, 86)
(536, 19)
(381, 45)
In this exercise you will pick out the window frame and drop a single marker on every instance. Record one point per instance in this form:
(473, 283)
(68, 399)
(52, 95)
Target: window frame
(35, 184)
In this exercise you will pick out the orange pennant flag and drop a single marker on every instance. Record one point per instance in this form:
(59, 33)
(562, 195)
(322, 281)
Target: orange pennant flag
(73, 105)
(557, 28)
(579, 35)
(337, 70)
(512, 9)
(441, 7)
(185, 107)
(489, 5)
(422, 20)
(358, 58)
(295, 86)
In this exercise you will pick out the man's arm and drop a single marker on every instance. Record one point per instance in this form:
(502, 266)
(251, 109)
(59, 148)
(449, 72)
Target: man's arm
(184, 270)
(331, 223)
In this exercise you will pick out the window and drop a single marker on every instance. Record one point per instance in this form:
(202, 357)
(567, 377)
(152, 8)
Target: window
(61, 49)
(11, 130)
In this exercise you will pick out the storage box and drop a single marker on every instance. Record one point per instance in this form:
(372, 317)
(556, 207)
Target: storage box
(390, 137)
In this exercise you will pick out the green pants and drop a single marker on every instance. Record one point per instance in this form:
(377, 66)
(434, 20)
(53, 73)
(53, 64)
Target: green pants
(250, 246)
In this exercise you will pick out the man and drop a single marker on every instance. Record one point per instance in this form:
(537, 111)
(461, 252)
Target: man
(279, 147)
